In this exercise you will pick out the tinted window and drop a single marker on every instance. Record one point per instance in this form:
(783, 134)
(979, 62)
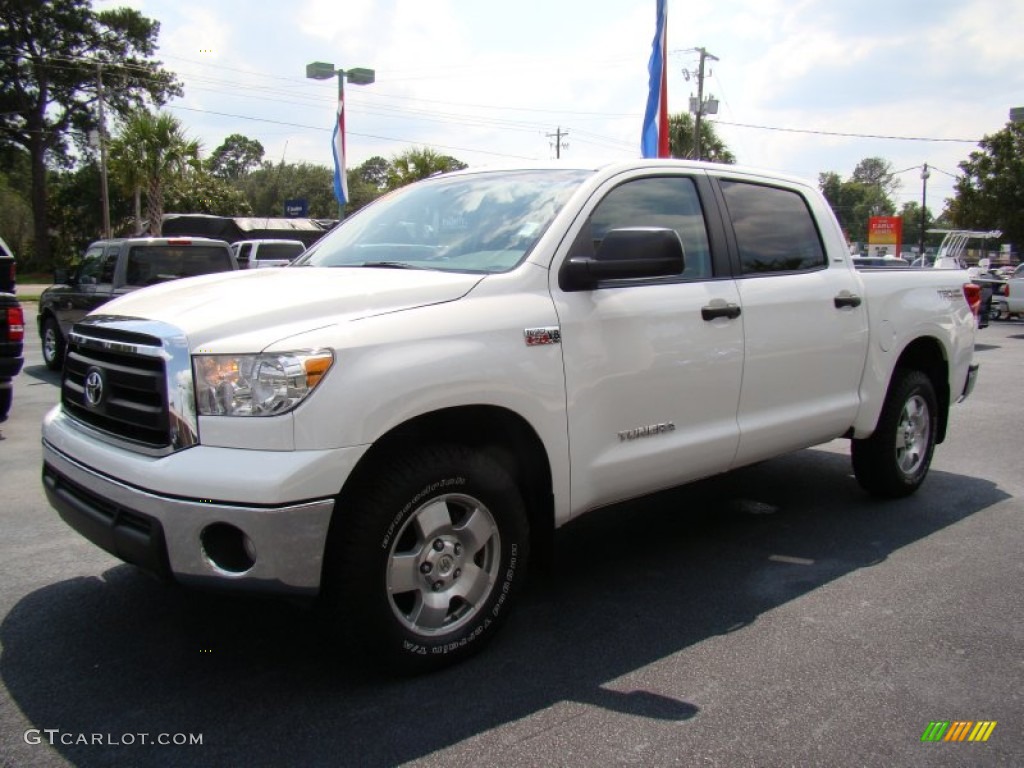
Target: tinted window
(278, 251)
(669, 202)
(774, 229)
(151, 264)
(91, 267)
(109, 265)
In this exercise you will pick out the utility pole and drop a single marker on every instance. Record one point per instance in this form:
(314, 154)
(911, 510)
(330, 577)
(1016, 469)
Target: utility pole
(925, 173)
(559, 146)
(104, 194)
(699, 111)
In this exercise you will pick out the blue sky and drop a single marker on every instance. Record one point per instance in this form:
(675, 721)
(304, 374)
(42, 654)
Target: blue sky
(486, 81)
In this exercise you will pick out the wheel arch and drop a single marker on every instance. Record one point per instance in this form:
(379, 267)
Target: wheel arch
(927, 355)
(495, 430)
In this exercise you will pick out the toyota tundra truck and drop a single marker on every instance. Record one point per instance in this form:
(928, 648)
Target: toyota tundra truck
(393, 423)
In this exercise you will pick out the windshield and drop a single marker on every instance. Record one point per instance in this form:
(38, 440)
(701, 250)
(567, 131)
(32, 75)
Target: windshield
(484, 223)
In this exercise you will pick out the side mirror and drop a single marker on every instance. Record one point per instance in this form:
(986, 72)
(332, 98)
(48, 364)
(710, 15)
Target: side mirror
(60, 276)
(628, 253)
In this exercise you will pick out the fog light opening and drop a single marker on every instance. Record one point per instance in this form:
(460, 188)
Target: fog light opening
(228, 548)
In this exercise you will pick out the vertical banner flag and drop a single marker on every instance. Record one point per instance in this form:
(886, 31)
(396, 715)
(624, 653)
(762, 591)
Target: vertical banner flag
(338, 147)
(654, 139)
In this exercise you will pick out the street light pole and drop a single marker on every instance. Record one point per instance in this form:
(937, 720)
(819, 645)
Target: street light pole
(320, 70)
(925, 173)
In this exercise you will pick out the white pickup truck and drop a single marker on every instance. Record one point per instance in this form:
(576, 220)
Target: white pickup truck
(393, 422)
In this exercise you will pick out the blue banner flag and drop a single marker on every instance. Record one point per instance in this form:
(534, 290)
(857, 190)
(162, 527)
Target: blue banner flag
(654, 138)
(338, 148)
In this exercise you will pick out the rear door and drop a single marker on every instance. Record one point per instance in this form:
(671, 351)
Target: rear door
(806, 325)
(652, 383)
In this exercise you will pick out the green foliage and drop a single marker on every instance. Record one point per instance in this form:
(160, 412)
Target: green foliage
(855, 201)
(419, 163)
(197, 191)
(911, 215)
(990, 194)
(151, 150)
(680, 139)
(236, 157)
(15, 206)
(77, 218)
(54, 52)
(268, 187)
(374, 172)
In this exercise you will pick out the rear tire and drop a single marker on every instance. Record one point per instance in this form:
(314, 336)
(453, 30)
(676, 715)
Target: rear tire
(53, 345)
(894, 461)
(426, 556)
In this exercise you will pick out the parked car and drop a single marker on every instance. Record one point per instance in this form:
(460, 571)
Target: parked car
(7, 268)
(254, 254)
(12, 335)
(112, 268)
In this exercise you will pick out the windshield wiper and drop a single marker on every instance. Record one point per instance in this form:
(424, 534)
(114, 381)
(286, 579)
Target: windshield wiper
(386, 265)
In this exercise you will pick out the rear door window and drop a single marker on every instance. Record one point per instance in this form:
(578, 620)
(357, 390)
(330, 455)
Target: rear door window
(775, 232)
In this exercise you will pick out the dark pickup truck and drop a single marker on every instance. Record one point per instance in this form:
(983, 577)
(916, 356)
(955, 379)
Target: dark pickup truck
(112, 268)
(12, 335)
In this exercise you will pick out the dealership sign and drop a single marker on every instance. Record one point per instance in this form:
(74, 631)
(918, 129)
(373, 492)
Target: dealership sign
(886, 231)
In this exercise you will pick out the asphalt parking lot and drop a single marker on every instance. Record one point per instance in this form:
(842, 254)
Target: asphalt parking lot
(775, 616)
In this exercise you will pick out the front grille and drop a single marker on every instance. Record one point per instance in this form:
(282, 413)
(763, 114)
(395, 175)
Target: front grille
(132, 402)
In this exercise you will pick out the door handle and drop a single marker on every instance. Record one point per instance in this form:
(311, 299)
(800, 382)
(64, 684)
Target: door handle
(847, 300)
(713, 312)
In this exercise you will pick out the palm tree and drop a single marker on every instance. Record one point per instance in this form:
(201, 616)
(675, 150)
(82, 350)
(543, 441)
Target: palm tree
(680, 136)
(419, 163)
(150, 149)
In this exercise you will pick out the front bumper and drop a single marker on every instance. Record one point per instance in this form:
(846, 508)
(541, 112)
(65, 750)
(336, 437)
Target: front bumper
(165, 535)
(259, 530)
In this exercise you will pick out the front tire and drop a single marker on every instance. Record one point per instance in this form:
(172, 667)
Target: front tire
(894, 461)
(426, 557)
(53, 344)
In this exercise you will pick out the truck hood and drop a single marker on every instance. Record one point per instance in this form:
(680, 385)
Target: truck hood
(289, 300)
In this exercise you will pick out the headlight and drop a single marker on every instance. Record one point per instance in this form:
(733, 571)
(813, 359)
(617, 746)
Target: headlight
(257, 385)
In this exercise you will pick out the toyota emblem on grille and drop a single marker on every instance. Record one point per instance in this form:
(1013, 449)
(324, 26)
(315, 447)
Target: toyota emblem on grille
(94, 387)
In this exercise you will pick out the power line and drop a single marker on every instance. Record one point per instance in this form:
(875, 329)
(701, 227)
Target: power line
(849, 135)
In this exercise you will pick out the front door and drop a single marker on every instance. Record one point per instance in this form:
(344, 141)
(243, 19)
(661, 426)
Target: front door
(652, 386)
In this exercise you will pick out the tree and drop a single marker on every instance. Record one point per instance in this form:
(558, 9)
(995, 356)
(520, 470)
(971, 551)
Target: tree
(374, 172)
(76, 219)
(55, 54)
(419, 163)
(680, 139)
(15, 208)
(197, 191)
(854, 201)
(268, 187)
(236, 157)
(876, 172)
(911, 215)
(990, 194)
(156, 145)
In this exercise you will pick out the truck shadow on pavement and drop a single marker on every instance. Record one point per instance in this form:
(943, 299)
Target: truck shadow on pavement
(630, 586)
